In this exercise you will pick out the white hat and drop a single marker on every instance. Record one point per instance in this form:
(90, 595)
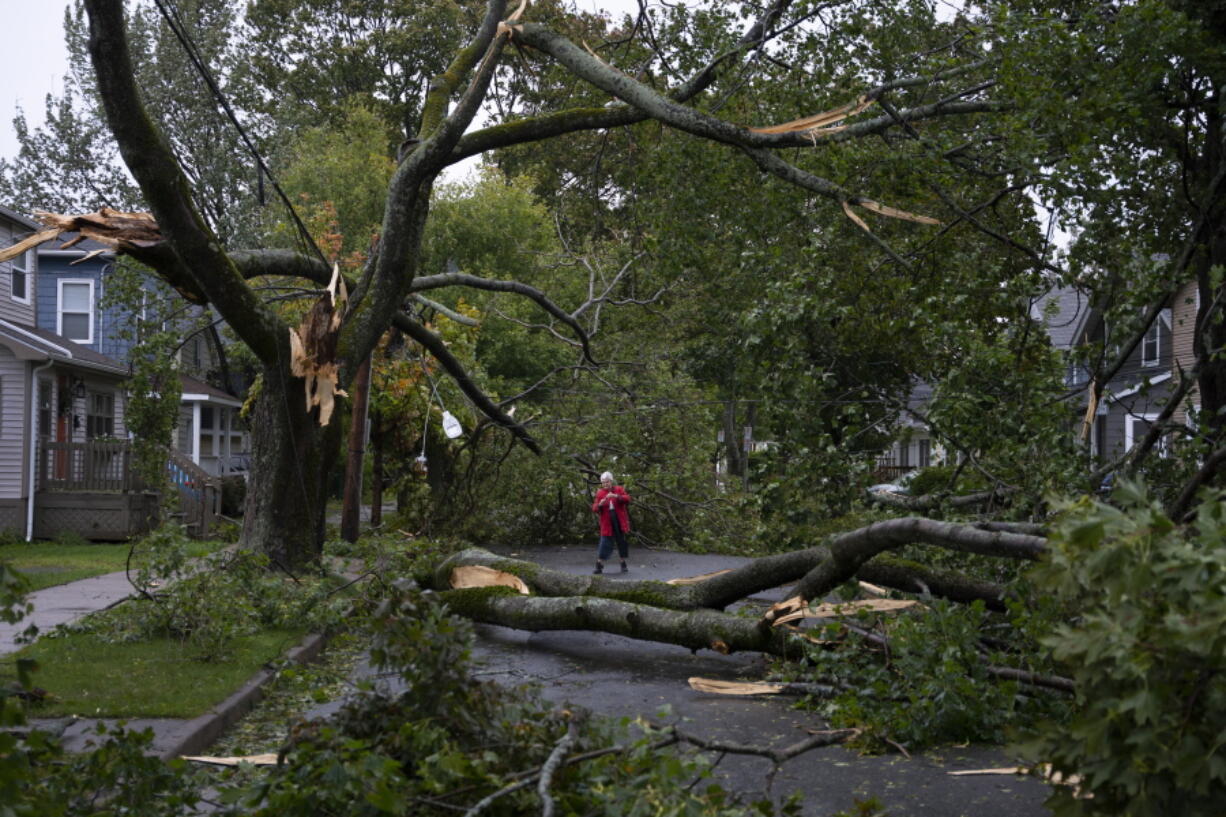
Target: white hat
(606, 475)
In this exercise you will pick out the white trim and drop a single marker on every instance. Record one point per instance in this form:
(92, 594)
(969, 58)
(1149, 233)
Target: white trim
(31, 259)
(1129, 392)
(59, 309)
(210, 398)
(1128, 421)
(13, 327)
(196, 433)
(31, 437)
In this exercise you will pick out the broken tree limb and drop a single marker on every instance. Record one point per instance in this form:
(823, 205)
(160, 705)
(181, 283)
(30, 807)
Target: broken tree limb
(1055, 682)
(720, 590)
(930, 501)
(849, 551)
(693, 629)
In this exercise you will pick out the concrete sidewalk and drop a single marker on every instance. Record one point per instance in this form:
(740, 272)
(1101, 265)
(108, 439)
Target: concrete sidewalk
(171, 736)
(66, 602)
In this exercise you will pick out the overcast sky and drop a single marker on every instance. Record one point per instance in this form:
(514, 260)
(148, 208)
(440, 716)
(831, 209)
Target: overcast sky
(33, 59)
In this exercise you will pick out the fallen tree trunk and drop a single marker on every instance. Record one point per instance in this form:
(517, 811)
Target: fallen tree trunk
(694, 629)
(850, 551)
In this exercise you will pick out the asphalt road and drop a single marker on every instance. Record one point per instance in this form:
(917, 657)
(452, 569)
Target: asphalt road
(622, 677)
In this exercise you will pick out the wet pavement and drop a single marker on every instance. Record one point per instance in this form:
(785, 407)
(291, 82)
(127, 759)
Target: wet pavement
(621, 677)
(64, 603)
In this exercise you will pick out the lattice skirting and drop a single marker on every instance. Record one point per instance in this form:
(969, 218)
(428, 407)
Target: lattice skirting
(13, 517)
(94, 516)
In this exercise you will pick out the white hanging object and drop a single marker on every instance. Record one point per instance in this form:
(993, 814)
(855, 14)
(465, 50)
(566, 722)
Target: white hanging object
(451, 426)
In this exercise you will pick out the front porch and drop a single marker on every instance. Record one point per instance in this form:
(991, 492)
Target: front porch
(89, 488)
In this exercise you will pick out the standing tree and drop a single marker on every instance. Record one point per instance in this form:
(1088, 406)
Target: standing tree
(292, 448)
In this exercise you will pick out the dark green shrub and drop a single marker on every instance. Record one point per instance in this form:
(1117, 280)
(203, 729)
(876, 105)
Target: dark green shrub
(233, 494)
(1147, 650)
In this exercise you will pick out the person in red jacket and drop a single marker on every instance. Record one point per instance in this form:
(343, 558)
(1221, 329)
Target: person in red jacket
(610, 504)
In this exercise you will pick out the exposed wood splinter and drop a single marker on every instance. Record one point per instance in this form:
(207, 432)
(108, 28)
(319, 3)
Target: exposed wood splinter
(254, 760)
(820, 124)
(478, 576)
(702, 577)
(313, 348)
(847, 608)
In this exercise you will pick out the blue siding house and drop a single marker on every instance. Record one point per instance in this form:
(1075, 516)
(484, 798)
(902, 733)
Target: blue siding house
(72, 302)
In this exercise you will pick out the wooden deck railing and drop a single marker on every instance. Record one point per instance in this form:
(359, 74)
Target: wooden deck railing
(93, 466)
(199, 493)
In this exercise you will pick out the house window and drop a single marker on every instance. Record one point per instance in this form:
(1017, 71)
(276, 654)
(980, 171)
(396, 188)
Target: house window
(100, 415)
(76, 312)
(904, 455)
(1151, 346)
(20, 276)
(925, 453)
(1135, 429)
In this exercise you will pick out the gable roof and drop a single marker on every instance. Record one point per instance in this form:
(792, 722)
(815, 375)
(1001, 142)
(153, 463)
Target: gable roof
(1069, 314)
(198, 391)
(21, 219)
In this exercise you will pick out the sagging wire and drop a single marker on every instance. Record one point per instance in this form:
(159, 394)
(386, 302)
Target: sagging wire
(171, 15)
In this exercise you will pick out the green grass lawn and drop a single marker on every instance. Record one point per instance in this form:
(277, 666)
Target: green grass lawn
(88, 677)
(47, 564)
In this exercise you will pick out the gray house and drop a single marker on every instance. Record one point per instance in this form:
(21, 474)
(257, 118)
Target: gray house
(1134, 397)
(63, 459)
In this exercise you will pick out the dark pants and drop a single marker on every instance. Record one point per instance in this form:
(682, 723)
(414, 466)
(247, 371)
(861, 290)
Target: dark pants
(606, 542)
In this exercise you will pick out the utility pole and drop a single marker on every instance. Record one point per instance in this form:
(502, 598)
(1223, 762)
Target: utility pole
(351, 510)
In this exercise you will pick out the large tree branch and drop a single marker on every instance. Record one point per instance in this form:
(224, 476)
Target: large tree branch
(721, 590)
(391, 269)
(849, 551)
(435, 346)
(574, 120)
(475, 282)
(693, 629)
(161, 178)
(678, 116)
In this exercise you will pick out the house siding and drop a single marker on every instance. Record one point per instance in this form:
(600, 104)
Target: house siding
(10, 310)
(13, 374)
(107, 323)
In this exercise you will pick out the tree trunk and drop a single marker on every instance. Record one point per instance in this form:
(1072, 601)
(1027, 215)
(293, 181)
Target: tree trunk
(376, 469)
(695, 629)
(291, 458)
(351, 509)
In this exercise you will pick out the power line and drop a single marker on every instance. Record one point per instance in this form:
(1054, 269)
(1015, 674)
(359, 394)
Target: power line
(173, 20)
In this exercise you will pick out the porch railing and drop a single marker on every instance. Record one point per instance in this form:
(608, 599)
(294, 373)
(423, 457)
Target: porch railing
(199, 493)
(93, 466)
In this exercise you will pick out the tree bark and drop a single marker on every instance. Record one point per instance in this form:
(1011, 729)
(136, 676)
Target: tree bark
(376, 469)
(351, 510)
(291, 457)
(695, 629)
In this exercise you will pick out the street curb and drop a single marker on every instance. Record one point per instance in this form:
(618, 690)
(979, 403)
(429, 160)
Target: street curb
(173, 737)
(203, 730)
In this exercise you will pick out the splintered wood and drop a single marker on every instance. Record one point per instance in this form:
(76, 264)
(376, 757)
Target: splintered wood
(313, 348)
(702, 577)
(479, 576)
(796, 609)
(735, 687)
(118, 231)
(822, 124)
(254, 760)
